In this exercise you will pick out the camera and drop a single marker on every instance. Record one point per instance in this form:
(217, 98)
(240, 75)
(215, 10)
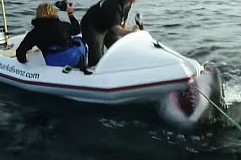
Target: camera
(62, 5)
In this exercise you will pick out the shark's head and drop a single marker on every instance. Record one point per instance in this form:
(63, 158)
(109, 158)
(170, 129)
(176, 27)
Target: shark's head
(186, 108)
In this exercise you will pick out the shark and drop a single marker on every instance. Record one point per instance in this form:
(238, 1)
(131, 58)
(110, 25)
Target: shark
(192, 106)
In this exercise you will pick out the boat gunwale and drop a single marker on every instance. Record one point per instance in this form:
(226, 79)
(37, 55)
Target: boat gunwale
(113, 89)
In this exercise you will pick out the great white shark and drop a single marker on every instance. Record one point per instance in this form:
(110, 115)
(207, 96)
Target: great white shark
(192, 105)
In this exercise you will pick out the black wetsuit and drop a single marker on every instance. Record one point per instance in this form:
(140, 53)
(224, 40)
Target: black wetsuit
(98, 21)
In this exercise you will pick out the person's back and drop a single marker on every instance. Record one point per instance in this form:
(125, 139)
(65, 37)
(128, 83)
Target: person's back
(48, 30)
(51, 31)
(105, 14)
(103, 17)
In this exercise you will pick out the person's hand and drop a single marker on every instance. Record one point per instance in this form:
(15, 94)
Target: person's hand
(135, 28)
(70, 9)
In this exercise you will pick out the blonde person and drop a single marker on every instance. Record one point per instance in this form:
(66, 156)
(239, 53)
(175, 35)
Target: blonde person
(52, 37)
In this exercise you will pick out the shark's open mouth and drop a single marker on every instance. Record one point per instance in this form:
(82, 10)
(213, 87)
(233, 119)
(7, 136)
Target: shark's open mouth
(192, 105)
(188, 99)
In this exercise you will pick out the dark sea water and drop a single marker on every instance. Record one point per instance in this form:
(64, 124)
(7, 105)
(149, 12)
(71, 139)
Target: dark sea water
(41, 127)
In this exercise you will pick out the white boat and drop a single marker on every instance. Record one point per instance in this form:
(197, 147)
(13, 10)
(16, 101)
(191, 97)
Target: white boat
(132, 69)
(136, 68)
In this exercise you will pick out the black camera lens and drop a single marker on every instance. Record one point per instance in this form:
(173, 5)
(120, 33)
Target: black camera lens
(62, 5)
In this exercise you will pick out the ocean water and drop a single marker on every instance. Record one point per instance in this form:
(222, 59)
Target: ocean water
(42, 127)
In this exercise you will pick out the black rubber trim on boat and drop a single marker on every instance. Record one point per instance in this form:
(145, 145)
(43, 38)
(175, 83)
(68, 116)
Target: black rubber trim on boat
(66, 69)
(157, 44)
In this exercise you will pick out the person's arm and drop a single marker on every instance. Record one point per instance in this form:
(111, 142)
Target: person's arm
(119, 30)
(75, 25)
(27, 44)
(125, 25)
(126, 11)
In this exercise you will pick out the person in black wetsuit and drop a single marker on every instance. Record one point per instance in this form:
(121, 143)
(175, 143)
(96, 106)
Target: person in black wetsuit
(103, 24)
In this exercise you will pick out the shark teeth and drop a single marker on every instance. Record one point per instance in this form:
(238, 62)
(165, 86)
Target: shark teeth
(188, 99)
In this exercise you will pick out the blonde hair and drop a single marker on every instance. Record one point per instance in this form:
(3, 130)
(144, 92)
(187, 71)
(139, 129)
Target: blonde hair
(46, 10)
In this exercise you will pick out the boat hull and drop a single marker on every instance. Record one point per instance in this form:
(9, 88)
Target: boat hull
(143, 71)
(125, 73)
(113, 95)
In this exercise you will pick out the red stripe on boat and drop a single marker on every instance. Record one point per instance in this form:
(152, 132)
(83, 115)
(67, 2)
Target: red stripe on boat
(93, 88)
